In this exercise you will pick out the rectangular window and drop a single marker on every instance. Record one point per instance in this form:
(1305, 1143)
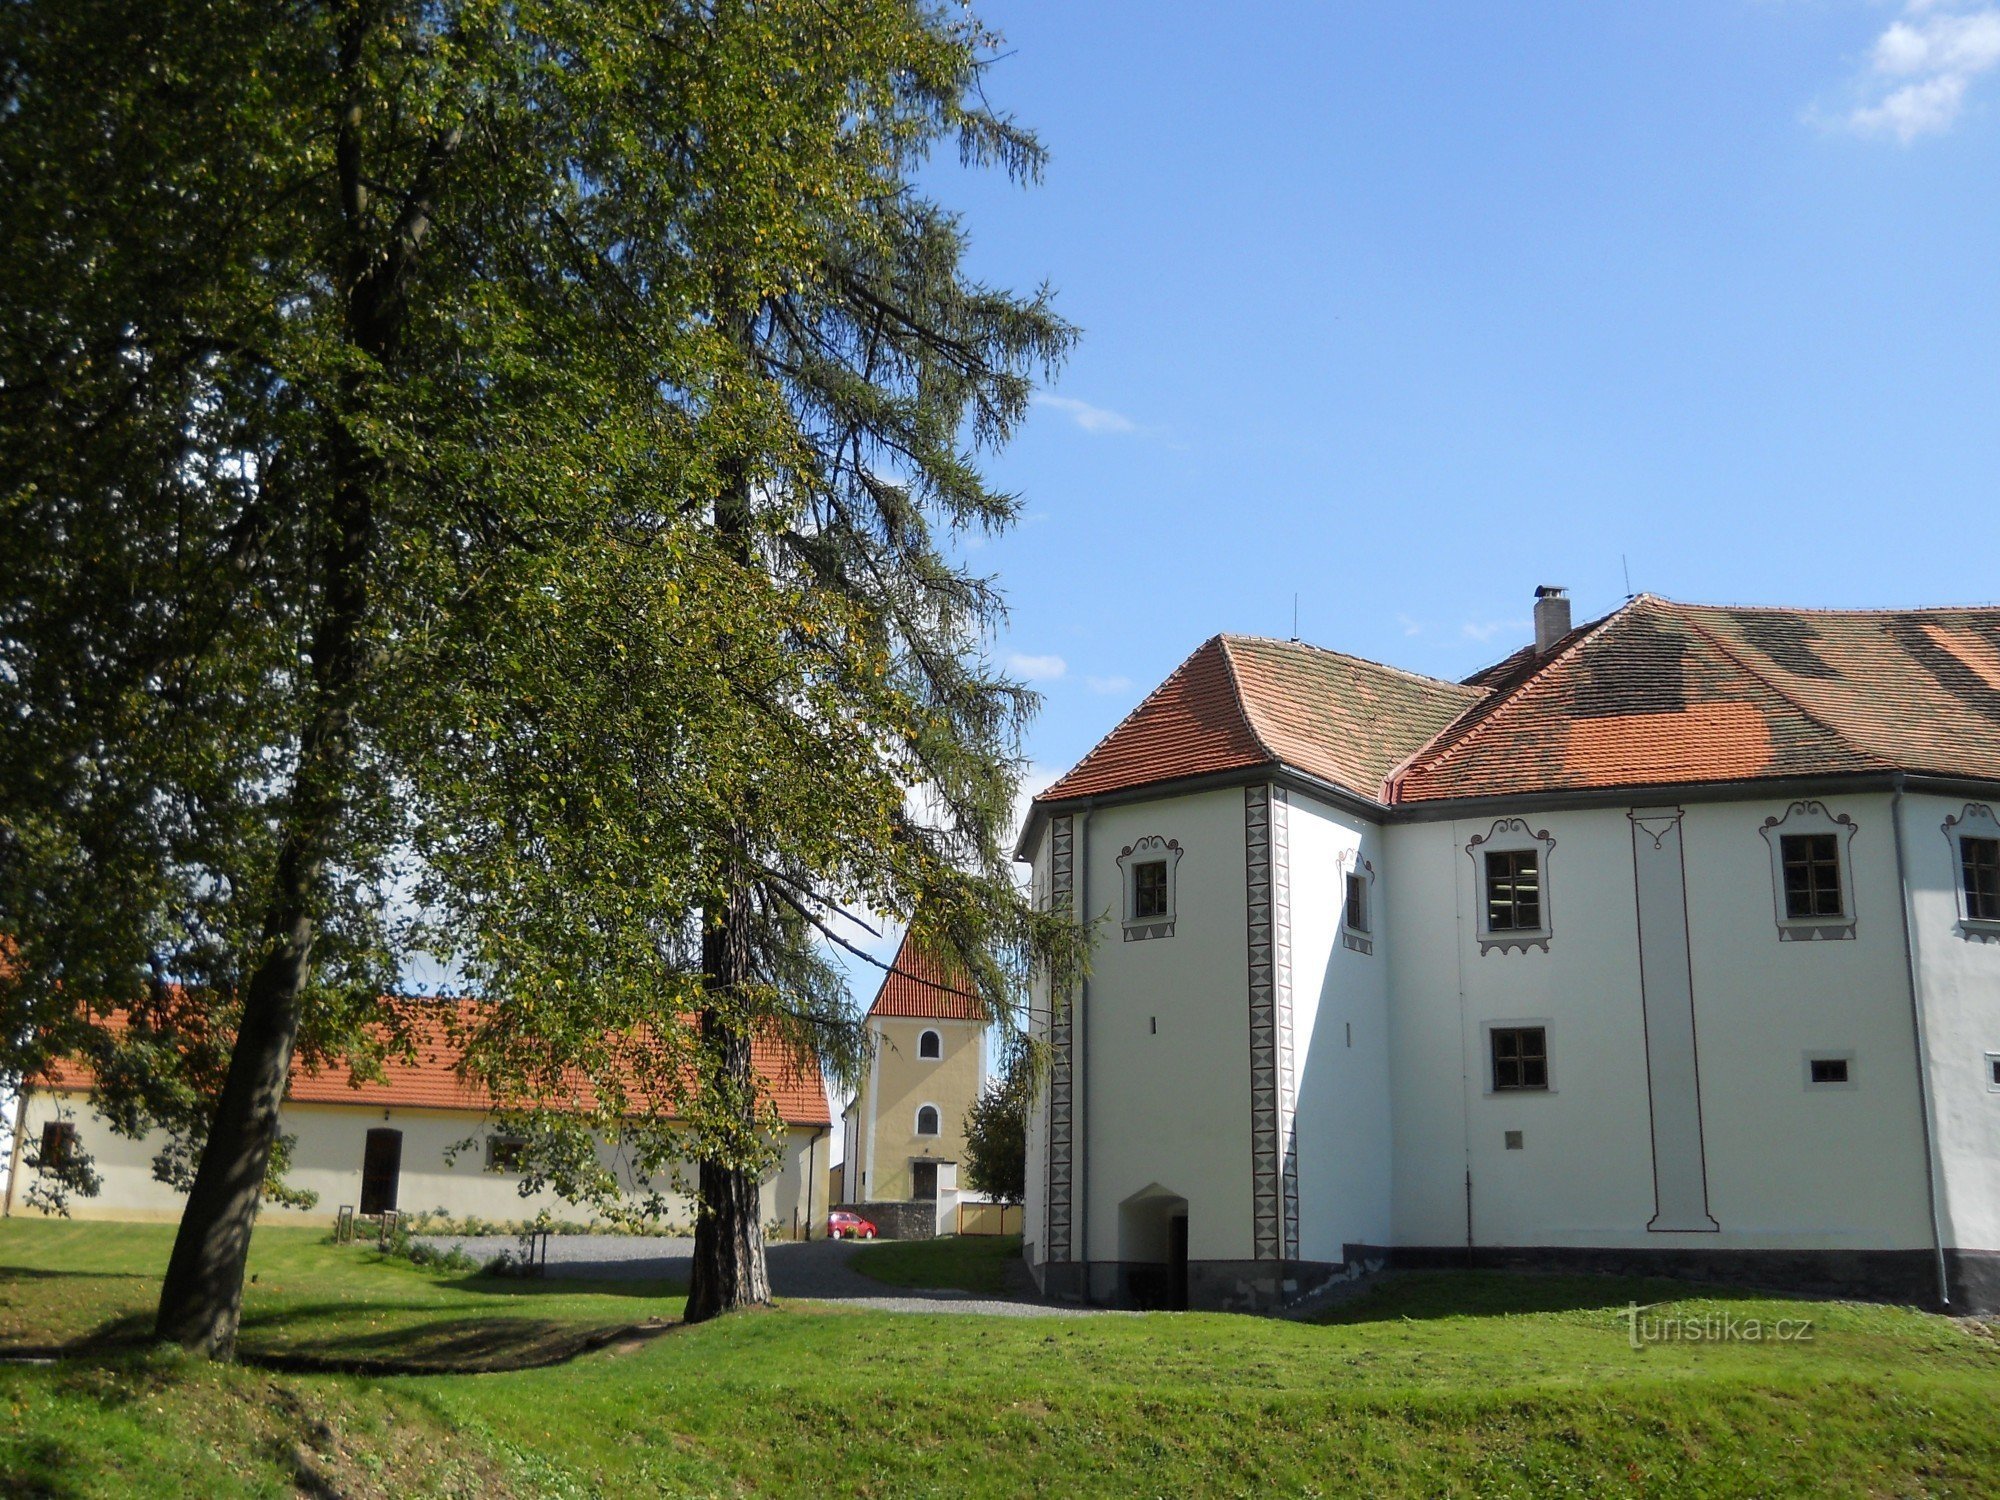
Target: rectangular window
(1827, 1069)
(1513, 891)
(1812, 874)
(1149, 889)
(504, 1152)
(1357, 903)
(1520, 1058)
(58, 1145)
(1979, 861)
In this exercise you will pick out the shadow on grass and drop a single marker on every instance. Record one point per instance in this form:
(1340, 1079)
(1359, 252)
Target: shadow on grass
(457, 1346)
(567, 1286)
(37, 1273)
(320, 1337)
(1422, 1295)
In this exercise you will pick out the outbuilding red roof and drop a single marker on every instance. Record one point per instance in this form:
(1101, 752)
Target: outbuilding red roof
(924, 988)
(430, 1079)
(1658, 693)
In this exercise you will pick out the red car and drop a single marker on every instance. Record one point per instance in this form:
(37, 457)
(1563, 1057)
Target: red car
(843, 1225)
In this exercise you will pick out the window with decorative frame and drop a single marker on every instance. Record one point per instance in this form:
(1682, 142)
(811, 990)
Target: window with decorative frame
(927, 1120)
(1148, 870)
(1812, 875)
(1357, 916)
(1511, 870)
(1973, 834)
(930, 1046)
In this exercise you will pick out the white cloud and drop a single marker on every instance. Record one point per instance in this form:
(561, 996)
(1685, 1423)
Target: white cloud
(1098, 419)
(1036, 668)
(1410, 626)
(1108, 684)
(1922, 66)
(1485, 630)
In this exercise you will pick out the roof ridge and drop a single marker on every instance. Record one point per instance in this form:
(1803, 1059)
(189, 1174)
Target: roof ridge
(1366, 661)
(1581, 637)
(1808, 714)
(1243, 703)
(1808, 609)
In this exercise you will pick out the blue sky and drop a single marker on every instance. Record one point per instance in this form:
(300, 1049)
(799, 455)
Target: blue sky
(1409, 308)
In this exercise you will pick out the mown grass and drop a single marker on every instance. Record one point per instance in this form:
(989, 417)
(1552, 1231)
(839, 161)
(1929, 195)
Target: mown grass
(966, 1263)
(1433, 1385)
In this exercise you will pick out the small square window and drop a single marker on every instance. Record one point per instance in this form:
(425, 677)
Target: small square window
(1513, 890)
(1149, 889)
(1520, 1058)
(1827, 1069)
(58, 1145)
(505, 1153)
(1812, 875)
(1979, 865)
(1513, 1138)
(1357, 903)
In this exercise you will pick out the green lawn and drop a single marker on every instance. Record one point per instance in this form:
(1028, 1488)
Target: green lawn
(1434, 1385)
(966, 1263)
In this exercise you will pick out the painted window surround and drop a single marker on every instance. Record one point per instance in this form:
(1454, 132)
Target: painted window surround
(1506, 836)
(1361, 939)
(937, 1121)
(1153, 849)
(930, 1046)
(1809, 817)
(1975, 821)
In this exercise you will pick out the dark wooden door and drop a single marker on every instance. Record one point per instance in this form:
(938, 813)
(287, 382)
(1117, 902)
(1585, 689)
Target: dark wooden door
(381, 1169)
(923, 1180)
(1177, 1263)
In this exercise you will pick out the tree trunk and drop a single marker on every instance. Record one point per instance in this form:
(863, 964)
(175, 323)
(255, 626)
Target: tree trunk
(202, 1297)
(729, 1271)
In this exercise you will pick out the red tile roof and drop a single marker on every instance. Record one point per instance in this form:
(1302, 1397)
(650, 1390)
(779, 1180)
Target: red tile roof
(924, 988)
(1241, 702)
(430, 1079)
(1662, 693)
(1658, 693)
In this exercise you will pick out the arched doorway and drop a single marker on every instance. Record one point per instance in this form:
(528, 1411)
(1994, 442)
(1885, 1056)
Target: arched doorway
(1153, 1248)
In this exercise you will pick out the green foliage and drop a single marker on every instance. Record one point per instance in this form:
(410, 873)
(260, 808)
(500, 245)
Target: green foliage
(996, 1134)
(479, 480)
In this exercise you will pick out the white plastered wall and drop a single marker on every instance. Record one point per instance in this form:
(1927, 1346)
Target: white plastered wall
(1959, 980)
(327, 1156)
(1163, 1088)
(1786, 1166)
(1340, 1035)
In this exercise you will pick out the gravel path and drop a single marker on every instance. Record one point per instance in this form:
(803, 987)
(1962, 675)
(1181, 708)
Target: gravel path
(817, 1269)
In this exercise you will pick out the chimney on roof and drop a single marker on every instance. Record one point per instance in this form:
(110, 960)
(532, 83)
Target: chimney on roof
(1551, 617)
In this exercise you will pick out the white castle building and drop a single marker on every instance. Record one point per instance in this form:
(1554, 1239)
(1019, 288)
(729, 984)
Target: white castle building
(1668, 944)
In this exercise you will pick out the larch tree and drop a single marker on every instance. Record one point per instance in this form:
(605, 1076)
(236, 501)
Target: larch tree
(468, 475)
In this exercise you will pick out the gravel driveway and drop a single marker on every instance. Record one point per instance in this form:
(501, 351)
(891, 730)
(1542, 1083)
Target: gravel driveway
(816, 1269)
